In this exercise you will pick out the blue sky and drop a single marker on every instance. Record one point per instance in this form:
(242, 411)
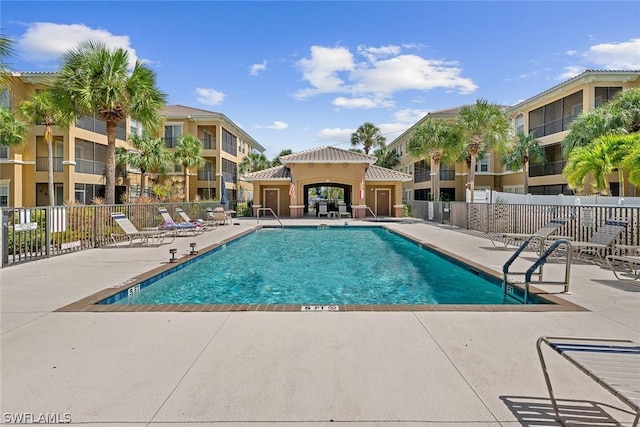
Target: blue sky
(304, 74)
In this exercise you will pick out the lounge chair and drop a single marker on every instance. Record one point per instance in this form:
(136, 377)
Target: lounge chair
(220, 216)
(132, 233)
(603, 238)
(342, 211)
(181, 228)
(322, 210)
(202, 223)
(631, 262)
(612, 363)
(550, 228)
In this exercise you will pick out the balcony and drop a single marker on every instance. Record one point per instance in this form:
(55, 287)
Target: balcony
(206, 175)
(551, 168)
(552, 127)
(42, 164)
(90, 167)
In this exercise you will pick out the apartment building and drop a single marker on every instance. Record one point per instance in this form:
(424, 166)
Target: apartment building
(224, 145)
(547, 115)
(79, 154)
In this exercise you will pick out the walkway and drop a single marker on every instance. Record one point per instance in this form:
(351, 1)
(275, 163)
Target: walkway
(324, 368)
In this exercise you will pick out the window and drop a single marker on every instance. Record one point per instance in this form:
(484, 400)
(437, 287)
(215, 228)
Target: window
(519, 123)
(407, 195)
(482, 165)
(90, 157)
(605, 94)
(4, 153)
(135, 127)
(424, 194)
(447, 172)
(94, 124)
(86, 193)
(171, 134)
(4, 98)
(207, 140)
(205, 173)
(422, 172)
(229, 143)
(230, 170)
(42, 155)
(4, 194)
(555, 116)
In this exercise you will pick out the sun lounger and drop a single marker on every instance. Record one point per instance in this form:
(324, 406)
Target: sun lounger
(132, 233)
(603, 238)
(632, 263)
(206, 224)
(612, 363)
(544, 232)
(182, 228)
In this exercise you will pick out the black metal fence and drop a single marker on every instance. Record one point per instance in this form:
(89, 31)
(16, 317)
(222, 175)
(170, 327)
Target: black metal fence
(30, 234)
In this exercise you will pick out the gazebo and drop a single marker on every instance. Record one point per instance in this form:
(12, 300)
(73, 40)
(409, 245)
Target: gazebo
(285, 189)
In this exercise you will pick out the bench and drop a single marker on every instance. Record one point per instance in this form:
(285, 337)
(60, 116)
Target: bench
(612, 363)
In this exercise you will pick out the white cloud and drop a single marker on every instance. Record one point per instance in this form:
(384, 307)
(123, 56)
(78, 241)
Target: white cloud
(256, 68)
(321, 70)
(209, 96)
(409, 115)
(278, 125)
(365, 103)
(382, 72)
(616, 56)
(45, 42)
(570, 72)
(572, 52)
(335, 134)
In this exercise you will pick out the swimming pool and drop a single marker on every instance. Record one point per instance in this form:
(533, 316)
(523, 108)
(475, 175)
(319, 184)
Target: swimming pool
(318, 266)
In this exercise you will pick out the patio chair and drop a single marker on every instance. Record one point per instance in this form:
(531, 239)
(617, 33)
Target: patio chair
(202, 223)
(603, 238)
(181, 228)
(544, 232)
(630, 262)
(220, 216)
(612, 363)
(342, 211)
(322, 210)
(132, 233)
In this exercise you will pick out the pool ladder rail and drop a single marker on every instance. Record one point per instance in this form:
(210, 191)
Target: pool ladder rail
(536, 268)
(272, 212)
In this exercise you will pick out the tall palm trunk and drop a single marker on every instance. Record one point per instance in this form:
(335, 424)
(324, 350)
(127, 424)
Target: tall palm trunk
(435, 173)
(525, 176)
(48, 138)
(472, 174)
(186, 183)
(143, 180)
(110, 182)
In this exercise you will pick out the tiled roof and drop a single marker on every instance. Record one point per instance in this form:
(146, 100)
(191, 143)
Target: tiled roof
(374, 173)
(185, 112)
(274, 173)
(575, 78)
(377, 173)
(327, 155)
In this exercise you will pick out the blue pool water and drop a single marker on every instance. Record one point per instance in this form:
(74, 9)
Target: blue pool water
(319, 266)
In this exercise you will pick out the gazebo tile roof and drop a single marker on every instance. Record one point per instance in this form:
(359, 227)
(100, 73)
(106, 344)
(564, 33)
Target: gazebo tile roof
(329, 155)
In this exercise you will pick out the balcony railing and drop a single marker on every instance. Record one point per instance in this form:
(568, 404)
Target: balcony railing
(447, 175)
(42, 164)
(208, 144)
(206, 175)
(551, 168)
(553, 126)
(98, 126)
(91, 167)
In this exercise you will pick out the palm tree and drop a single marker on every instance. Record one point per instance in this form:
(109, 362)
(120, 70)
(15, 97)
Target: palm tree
(6, 50)
(94, 79)
(188, 154)
(438, 140)
(526, 149)
(276, 161)
(594, 160)
(12, 130)
(386, 158)
(149, 155)
(631, 162)
(369, 136)
(484, 126)
(40, 109)
(253, 162)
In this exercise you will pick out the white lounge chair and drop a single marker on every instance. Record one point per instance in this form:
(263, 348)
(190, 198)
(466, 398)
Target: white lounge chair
(182, 228)
(132, 233)
(612, 363)
(544, 232)
(322, 210)
(342, 211)
(630, 262)
(220, 216)
(603, 238)
(202, 223)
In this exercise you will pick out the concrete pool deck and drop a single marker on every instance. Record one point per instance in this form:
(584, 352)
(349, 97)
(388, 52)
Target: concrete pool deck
(431, 368)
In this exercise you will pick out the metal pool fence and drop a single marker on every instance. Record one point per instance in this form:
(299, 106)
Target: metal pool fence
(29, 234)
